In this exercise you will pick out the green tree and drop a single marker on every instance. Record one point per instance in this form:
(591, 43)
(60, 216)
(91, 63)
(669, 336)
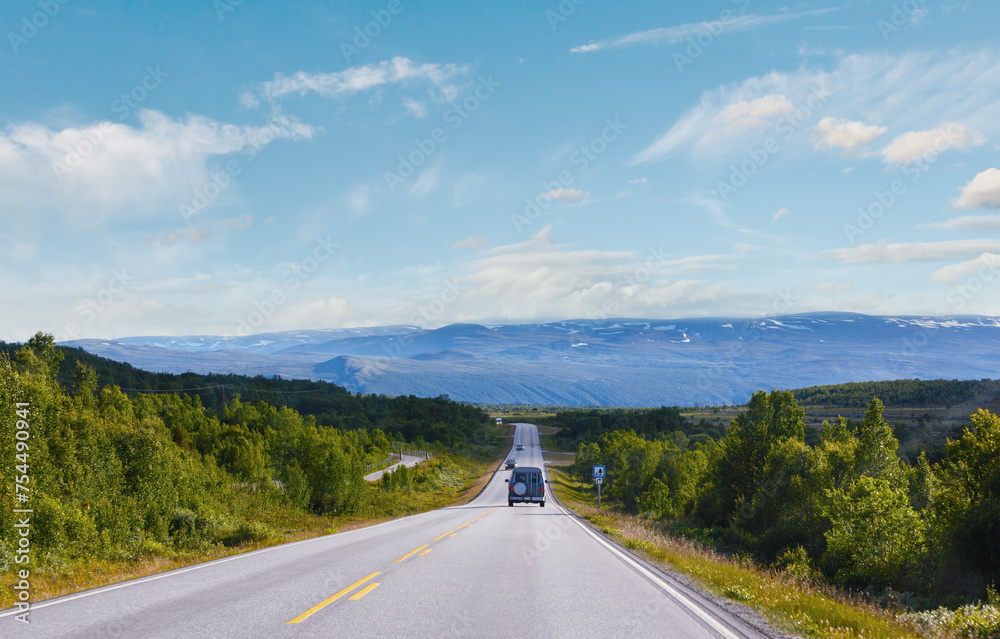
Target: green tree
(876, 452)
(741, 468)
(39, 355)
(875, 536)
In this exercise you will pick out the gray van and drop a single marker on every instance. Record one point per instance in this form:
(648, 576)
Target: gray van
(526, 485)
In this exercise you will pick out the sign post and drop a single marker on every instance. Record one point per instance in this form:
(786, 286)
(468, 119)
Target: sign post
(599, 479)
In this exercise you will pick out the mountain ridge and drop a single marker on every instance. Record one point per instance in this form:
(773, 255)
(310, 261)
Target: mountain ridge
(618, 361)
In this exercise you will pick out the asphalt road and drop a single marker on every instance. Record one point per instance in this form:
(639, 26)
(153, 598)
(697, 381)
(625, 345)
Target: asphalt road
(408, 460)
(479, 570)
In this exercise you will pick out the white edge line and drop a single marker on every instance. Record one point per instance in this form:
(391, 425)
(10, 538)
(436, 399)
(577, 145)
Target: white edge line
(690, 605)
(213, 562)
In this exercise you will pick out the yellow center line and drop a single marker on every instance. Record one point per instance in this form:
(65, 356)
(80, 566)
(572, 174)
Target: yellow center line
(453, 534)
(444, 535)
(323, 604)
(361, 593)
(462, 526)
(426, 551)
(410, 554)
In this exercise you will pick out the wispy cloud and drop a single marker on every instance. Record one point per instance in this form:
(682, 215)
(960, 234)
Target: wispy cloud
(914, 91)
(444, 78)
(677, 33)
(984, 223)
(416, 109)
(956, 272)
(199, 232)
(566, 195)
(780, 214)
(886, 253)
(471, 242)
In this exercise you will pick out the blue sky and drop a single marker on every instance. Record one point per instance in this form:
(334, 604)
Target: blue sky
(227, 167)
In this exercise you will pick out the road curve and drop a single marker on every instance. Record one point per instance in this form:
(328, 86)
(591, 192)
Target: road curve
(479, 570)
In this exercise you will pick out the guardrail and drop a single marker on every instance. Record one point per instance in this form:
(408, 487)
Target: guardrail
(395, 457)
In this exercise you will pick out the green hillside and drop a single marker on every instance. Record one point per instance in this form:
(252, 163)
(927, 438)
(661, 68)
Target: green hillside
(117, 478)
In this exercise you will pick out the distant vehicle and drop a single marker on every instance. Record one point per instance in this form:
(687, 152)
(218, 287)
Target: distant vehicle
(519, 447)
(526, 485)
(510, 463)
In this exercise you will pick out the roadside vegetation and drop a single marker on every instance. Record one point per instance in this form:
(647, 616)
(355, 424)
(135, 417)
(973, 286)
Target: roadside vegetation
(841, 524)
(123, 486)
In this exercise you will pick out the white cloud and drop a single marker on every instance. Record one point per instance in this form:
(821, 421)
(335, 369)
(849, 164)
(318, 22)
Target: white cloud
(567, 195)
(416, 109)
(918, 16)
(817, 50)
(471, 242)
(639, 181)
(780, 214)
(200, 231)
(983, 192)
(986, 223)
(545, 235)
(360, 198)
(538, 279)
(677, 33)
(884, 252)
(833, 287)
(399, 70)
(469, 188)
(914, 91)
(97, 171)
(844, 134)
(318, 313)
(427, 181)
(955, 272)
(756, 114)
(917, 145)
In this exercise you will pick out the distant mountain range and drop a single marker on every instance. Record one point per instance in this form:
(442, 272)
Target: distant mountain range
(619, 362)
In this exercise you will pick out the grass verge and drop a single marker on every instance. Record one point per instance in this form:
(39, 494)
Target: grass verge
(787, 602)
